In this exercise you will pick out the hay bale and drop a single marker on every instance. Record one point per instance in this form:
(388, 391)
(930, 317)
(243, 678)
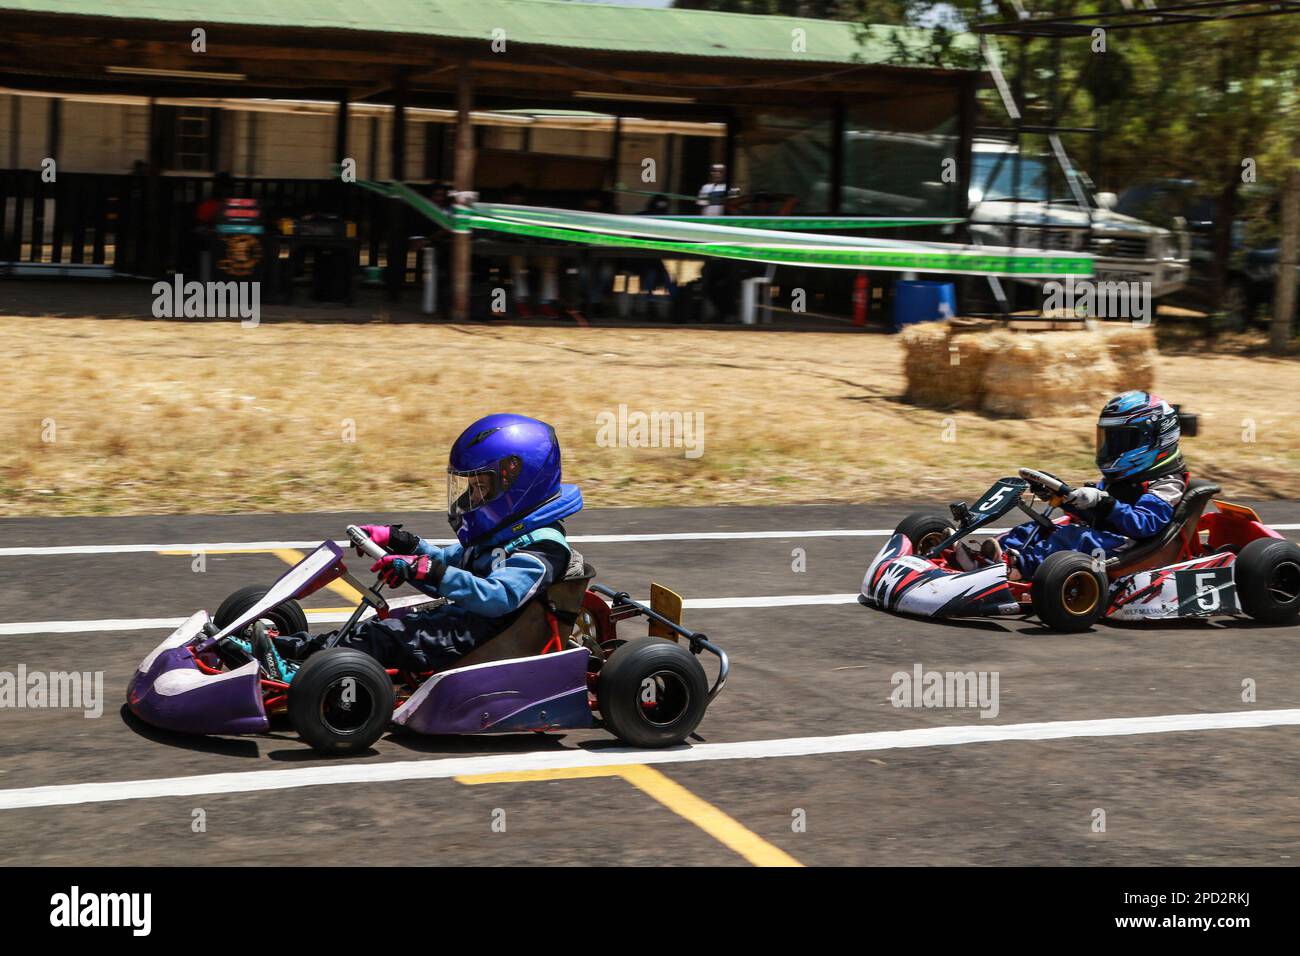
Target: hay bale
(944, 367)
(961, 364)
(1040, 376)
(1133, 350)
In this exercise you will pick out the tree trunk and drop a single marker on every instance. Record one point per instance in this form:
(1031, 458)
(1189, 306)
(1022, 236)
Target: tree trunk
(1284, 289)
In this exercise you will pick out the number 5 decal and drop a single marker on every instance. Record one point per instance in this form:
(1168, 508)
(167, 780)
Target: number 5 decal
(1207, 591)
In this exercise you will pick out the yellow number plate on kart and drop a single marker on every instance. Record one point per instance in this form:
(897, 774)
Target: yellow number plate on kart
(669, 604)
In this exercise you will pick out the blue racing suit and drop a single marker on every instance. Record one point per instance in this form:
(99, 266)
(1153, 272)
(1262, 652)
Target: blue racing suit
(488, 585)
(1134, 511)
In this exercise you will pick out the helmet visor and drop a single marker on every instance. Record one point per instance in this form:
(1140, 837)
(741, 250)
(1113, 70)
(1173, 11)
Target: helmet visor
(1117, 440)
(468, 490)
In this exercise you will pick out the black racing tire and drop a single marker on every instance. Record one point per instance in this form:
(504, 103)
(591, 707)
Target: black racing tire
(652, 693)
(1267, 575)
(1069, 592)
(925, 530)
(287, 617)
(321, 716)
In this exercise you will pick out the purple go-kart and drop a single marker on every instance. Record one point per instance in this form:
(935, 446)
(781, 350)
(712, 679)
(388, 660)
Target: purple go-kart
(559, 666)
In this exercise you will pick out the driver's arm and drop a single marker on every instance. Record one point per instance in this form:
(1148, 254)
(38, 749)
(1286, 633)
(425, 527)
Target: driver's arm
(508, 587)
(1145, 517)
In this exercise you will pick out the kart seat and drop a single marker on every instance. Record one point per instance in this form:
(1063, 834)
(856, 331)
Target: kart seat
(530, 632)
(1166, 547)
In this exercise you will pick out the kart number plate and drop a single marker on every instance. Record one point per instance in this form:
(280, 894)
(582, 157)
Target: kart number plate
(1205, 591)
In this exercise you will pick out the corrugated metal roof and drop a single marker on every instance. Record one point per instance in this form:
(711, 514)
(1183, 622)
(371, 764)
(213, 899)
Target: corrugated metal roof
(554, 23)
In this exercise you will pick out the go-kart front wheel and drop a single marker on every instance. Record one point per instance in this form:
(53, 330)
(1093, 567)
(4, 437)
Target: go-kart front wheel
(1069, 592)
(341, 701)
(925, 531)
(652, 693)
(1267, 575)
(287, 617)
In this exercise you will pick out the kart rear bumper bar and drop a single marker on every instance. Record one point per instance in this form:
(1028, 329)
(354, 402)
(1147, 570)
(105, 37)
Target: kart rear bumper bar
(623, 605)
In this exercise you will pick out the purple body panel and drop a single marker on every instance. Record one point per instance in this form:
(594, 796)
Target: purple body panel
(175, 695)
(530, 693)
(169, 690)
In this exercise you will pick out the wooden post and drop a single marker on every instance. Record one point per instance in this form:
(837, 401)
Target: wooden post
(341, 129)
(396, 209)
(615, 148)
(464, 182)
(154, 223)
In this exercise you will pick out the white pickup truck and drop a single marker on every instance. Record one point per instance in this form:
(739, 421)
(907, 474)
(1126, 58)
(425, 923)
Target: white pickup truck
(1124, 249)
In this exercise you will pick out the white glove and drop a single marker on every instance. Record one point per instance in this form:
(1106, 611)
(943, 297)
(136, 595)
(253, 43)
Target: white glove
(1085, 498)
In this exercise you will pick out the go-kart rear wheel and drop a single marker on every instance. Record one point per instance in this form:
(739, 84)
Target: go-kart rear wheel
(341, 701)
(286, 618)
(1267, 574)
(1069, 592)
(652, 693)
(925, 531)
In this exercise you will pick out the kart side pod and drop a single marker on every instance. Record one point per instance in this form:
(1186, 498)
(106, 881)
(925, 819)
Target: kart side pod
(548, 692)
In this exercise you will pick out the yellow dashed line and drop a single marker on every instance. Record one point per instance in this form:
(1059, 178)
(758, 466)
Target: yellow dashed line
(727, 831)
(291, 557)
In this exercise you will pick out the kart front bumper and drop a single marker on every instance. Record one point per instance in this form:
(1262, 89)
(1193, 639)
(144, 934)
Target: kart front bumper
(169, 689)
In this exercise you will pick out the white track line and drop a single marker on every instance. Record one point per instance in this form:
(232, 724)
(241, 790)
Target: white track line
(18, 628)
(393, 771)
(211, 546)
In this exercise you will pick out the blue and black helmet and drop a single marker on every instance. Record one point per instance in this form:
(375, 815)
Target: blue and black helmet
(501, 468)
(1137, 434)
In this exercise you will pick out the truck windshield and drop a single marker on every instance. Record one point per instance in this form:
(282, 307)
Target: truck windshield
(1033, 179)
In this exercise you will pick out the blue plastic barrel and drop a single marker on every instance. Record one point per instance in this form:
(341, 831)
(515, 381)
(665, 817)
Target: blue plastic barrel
(917, 301)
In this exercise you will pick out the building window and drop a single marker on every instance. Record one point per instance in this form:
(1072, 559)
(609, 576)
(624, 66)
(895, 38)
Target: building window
(188, 138)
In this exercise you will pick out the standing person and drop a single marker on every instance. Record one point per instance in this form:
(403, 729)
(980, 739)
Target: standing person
(712, 199)
(718, 277)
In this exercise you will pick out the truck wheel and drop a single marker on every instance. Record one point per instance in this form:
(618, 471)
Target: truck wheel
(341, 701)
(924, 530)
(286, 618)
(1267, 574)
(652, 693)
(1069, 594)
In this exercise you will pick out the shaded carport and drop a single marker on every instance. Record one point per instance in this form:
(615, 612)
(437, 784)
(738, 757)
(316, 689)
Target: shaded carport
(470, 54)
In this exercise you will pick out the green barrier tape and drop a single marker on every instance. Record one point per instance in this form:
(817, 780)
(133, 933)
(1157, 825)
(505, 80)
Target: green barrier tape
(684, 230)
(959, 261)
(812, 222)
(695, 238)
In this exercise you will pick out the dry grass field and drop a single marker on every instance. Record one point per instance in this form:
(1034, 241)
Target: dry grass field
(125, 416)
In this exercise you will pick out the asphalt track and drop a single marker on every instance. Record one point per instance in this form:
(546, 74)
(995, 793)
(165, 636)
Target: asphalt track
(806, 760)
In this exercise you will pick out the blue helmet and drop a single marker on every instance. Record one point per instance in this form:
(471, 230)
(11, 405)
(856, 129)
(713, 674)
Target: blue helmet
(501, 468)
(1137, 434)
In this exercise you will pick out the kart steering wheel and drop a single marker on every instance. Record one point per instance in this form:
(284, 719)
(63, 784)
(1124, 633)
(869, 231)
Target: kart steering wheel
(365, 542)
(1046, 486)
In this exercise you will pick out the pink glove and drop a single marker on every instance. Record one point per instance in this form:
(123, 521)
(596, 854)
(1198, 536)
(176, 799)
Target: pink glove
(393, 569)
(378, 533)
